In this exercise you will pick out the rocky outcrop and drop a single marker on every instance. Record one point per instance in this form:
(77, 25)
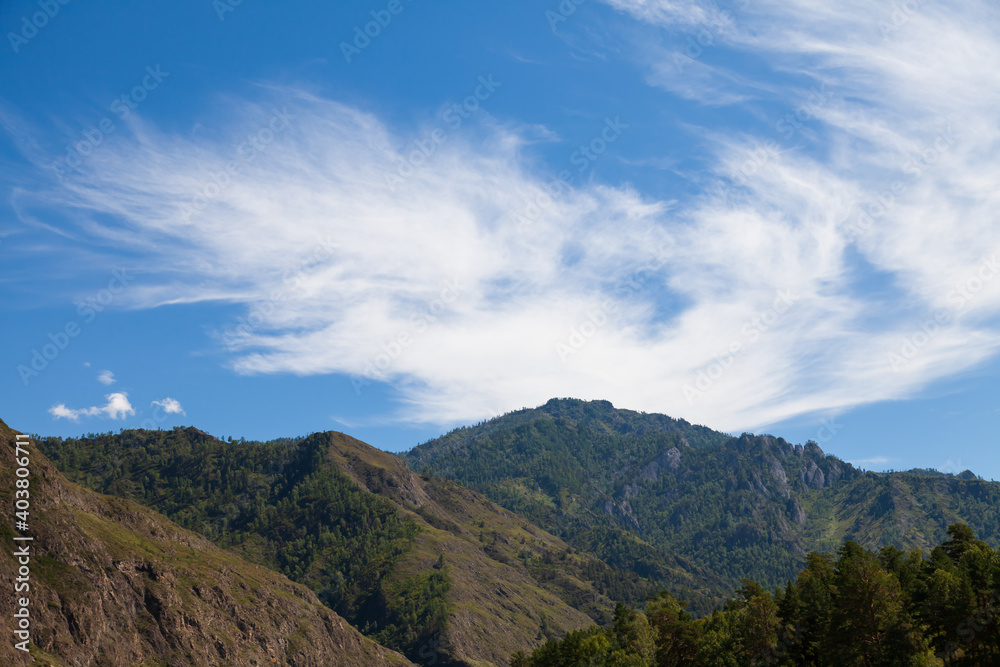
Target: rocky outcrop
(780, 478)
(812, 476)
(798, 513)
(622, 510)
(670, 459)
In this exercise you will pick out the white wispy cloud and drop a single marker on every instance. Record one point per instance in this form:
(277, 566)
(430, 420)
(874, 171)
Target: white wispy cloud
(106, 377)
(117, 407)
(437, 284)
(681, 13)
(170, 406)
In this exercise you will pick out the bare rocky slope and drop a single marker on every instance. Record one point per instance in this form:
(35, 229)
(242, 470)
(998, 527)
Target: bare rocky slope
(115, 583)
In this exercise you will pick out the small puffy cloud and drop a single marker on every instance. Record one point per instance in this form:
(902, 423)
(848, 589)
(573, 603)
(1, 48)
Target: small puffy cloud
(62, 412)
(106, 377)
(170, 405)
(118, 406)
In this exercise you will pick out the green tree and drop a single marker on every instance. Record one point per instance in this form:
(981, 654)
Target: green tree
(676, 634)
(870, 626)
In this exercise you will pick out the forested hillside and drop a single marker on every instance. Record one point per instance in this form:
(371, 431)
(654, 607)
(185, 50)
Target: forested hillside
(751, 506)
(418, 563)
(267, 501)
(110, 582)
(583, 506)
(889, 608)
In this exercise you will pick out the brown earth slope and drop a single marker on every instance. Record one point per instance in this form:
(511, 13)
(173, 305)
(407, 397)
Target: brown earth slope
(114, 583)
(498, 604)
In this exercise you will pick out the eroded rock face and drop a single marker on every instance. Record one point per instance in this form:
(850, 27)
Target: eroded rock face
(670, 459)
(813, 450)
(622, 510)
(834, 474)
(780, 478)
(114, 583)
(798, 513)
(758, 485)
(812, 476)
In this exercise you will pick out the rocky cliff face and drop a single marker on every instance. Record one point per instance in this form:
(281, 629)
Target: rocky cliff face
(114, 583)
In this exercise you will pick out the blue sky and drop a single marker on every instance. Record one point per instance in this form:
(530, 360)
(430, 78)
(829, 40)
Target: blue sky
(260, 220)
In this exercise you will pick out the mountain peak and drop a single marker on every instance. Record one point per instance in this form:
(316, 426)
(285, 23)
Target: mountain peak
(748, 506)
(563, 403)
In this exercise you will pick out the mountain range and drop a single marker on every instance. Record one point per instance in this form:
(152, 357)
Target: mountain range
(748, 506)
(418, 563)
(484, 543)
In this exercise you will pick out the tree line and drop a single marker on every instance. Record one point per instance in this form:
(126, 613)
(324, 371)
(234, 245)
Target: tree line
(859, 607)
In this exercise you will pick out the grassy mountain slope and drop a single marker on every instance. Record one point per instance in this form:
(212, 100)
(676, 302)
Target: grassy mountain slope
(494, 603)
(417, 562)
(114, 583)
(909, 510)
(751, 506)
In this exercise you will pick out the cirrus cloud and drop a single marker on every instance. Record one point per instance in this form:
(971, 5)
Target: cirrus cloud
(599, 291)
